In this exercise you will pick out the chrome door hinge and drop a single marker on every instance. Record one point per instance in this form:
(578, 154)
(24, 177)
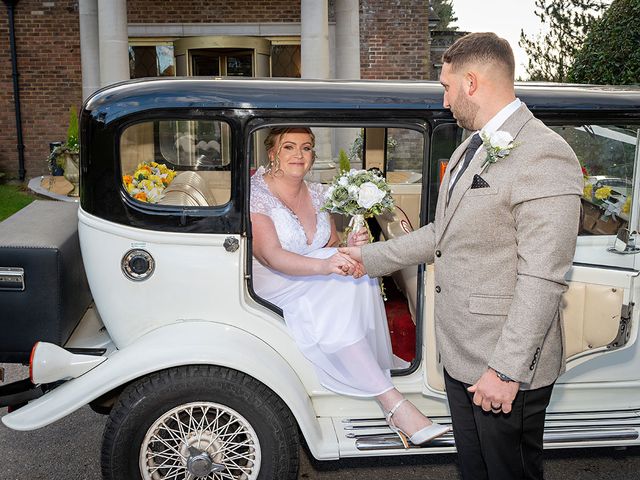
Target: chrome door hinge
(624, 329)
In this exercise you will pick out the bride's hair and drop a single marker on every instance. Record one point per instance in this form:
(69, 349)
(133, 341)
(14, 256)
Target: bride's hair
(274, 136)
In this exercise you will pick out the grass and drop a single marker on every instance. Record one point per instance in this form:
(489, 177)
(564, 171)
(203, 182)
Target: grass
(12, 199)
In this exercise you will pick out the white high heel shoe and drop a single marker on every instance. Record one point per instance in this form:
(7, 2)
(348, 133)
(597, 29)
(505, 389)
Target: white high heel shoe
(420, 437)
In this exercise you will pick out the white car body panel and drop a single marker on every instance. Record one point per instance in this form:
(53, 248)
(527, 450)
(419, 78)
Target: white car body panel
(185, 343)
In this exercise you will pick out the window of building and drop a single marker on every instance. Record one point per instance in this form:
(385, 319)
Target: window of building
(151, 59)
(285, 57)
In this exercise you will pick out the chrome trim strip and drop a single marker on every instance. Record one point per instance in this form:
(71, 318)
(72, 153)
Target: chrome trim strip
(572, 435)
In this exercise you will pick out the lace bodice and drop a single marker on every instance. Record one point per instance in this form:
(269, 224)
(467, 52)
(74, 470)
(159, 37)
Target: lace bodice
(289, 229)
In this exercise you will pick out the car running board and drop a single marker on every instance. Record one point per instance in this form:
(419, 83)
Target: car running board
(373, 434)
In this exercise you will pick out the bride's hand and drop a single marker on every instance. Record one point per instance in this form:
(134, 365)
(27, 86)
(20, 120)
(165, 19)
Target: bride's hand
(359, 238)
(340, 264)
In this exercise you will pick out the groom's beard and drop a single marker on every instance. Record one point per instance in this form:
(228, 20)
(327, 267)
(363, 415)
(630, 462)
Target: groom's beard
(464, 111)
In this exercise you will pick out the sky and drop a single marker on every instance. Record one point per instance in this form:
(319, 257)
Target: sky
(504, 17)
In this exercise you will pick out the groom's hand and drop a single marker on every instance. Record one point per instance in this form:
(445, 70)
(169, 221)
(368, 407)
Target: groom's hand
(489, 392)
(355, 253)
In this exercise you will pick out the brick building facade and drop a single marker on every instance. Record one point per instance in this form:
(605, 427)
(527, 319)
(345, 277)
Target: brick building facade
(394, 44)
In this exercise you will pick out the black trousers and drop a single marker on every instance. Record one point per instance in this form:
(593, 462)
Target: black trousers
(498, 446)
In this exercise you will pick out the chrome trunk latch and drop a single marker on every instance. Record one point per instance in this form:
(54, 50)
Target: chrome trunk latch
(231, 244)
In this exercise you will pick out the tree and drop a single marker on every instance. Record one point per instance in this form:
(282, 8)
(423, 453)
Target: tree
(611, 51)
(551, 55)
(444, 10)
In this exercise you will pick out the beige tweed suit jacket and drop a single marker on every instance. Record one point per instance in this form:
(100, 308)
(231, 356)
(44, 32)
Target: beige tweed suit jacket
(501, 254)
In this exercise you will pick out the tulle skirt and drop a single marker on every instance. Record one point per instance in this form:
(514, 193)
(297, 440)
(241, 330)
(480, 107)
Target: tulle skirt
(339, 324)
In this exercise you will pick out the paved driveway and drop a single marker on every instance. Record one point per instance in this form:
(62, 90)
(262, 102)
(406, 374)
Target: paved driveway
(70, 450)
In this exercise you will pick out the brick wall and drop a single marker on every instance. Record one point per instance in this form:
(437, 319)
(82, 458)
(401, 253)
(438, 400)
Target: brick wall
(48, 49)
(394, 39)
(213, 11)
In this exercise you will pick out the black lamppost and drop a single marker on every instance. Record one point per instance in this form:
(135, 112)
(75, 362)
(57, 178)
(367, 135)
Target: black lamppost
(11, 4)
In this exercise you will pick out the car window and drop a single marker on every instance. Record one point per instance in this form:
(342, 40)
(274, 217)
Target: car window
(607, 154)
(177, 162)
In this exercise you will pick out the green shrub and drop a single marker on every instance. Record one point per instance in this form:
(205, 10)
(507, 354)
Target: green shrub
(611, 51)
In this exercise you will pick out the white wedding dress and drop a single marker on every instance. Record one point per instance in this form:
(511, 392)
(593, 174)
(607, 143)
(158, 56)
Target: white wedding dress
(339, 323)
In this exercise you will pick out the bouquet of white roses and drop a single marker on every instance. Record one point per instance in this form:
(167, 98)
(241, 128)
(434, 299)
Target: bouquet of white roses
(359, 194)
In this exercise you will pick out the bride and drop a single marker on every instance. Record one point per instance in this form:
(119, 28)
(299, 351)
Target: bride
(337, 321)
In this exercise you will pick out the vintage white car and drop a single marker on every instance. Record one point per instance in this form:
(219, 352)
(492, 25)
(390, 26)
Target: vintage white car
(199, 376)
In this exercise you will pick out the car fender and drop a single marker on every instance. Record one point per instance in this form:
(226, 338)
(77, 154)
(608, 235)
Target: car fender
(178, 344)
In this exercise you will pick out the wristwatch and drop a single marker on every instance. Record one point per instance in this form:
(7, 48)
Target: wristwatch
(503, 377)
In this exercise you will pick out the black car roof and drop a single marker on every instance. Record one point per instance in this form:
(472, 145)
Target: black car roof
(257, 93)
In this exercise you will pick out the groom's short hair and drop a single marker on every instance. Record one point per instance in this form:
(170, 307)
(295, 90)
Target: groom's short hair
(481, 48)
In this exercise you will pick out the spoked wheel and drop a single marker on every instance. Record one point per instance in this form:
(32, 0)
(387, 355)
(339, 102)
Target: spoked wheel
(199, 422)
(200, 440)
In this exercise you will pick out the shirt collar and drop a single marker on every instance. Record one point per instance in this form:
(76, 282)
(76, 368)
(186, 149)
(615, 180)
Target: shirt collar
(496, 122)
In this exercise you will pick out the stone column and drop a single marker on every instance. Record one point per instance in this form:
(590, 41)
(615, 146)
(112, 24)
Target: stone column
(89, 49)
(113, 41)
(314, 52)
(347, 63)
(314, 38)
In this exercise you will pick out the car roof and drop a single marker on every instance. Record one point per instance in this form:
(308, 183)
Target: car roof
(261, 93)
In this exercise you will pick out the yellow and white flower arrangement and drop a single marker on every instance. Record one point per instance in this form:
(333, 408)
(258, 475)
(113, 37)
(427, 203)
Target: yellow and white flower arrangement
(148, 181)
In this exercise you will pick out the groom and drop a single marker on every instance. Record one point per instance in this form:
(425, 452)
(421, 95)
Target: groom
(502, 240)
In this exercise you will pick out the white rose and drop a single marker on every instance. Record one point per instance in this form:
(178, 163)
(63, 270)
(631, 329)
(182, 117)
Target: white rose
(501, 140)
(342, 181)
(369, 195)
(353, 191)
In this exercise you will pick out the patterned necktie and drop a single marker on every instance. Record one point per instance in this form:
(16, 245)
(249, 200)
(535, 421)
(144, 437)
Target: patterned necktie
(472, 148)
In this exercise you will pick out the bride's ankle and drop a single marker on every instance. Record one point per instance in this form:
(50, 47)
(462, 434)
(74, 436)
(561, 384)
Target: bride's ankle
(409, 419)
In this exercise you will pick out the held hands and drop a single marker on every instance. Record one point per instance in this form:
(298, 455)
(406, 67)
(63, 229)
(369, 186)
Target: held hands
(355, 255)
(493, 394)
(341, 264)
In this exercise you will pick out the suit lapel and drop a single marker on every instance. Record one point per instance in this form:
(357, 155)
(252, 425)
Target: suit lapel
(513, 125)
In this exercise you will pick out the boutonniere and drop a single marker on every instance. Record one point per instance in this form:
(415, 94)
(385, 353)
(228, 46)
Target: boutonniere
(497, 145)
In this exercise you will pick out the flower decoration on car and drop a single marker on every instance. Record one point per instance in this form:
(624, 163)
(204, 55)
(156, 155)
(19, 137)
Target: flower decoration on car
(498, 145)
(613, 201)
(148, 181)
